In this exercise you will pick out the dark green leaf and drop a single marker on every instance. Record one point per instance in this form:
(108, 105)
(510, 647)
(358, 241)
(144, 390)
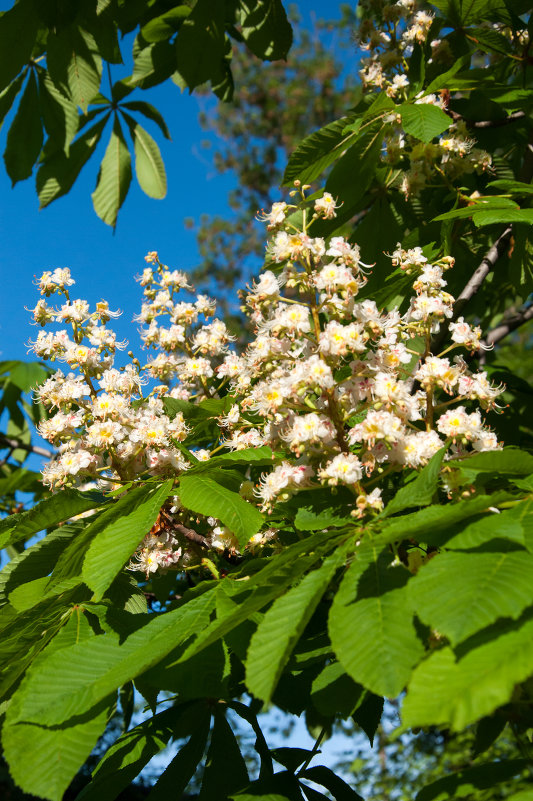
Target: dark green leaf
(25, 136)
(337, 787)
(18, 30)
(265, 28)
(58, 171)
(165, 25)
(225, 768)
(467, 783)
(201, 45)
(8, 95)
(318, 151)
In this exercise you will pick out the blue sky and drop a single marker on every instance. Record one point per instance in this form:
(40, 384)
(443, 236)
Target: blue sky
(68, 233)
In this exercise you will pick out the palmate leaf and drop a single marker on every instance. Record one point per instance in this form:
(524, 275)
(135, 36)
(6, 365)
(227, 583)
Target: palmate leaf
(25, 136)
(165, 25)
(149, 166)
(467, 690)
(114, 177)
(371, 628)
(277, 634)
(460, 593)
(119, 531)
(202, 494)
(58, 171)
(128, 755)
(70, 683)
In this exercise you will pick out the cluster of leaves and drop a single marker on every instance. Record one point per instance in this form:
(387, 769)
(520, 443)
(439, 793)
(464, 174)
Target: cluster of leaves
(53, 60)
(432, 597)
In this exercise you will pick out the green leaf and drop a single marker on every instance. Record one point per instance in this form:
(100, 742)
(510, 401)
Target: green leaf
(47, 513)
(118, 532)
(25, 136)
(489, 585)
(150, 112)
(263, 587)
(202, 494)
(334, 692)
(421, 490)
(225, 768)
(57, 753)
(153, 65)
(128, 755)
(336, 786)
(165, 25)
(181, 769)
(465, 691)
(265, 28)
(467, 783)
(149, 166)
(26, 375)
(58, 171)
(8, 95)
(74, 64)
(60, 115)
(280, 629)
(490, 217)
(67, 684)
(318, 151)
(434, 524)
(201, 45)
(515, 187)
(246, 456)
(114, 177)
(307, 519)
(515, 525)
(18, 30)
(509, 461)
(371, 627)
(424, 121)
(486, 203)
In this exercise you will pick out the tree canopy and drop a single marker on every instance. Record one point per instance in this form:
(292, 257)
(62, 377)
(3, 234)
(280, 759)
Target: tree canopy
(332, 518)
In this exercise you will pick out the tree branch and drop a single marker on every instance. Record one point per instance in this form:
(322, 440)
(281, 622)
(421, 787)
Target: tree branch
(511, 324)
(474, 284)
(513, 117)
(15, 444)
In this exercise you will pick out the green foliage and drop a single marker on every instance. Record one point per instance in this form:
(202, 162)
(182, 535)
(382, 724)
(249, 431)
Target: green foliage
(425, 604)
(62, 53)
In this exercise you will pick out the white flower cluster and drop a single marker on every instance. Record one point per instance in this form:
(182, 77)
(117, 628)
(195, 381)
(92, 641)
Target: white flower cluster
(342, 389)
(388, 32)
